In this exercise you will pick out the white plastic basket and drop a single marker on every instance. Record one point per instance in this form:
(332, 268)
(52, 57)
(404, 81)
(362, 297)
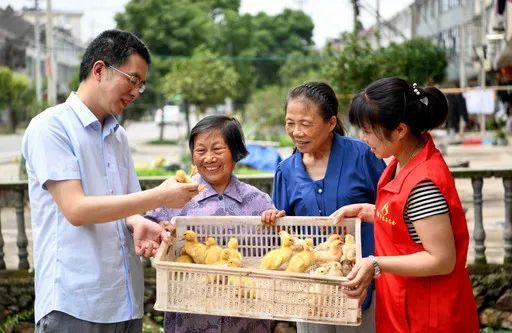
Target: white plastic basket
(250, 291)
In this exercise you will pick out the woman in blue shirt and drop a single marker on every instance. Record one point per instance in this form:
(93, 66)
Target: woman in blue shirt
(325, 172)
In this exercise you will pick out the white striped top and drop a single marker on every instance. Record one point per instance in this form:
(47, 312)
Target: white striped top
(424, 201)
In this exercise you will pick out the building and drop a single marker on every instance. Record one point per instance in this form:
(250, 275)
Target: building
(474, 44)
(17, 44)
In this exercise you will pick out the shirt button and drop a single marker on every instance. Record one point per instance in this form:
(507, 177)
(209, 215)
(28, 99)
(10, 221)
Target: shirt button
(221, 197)
(111, 191)
(108, 164)
(320, 191)
(320, 211)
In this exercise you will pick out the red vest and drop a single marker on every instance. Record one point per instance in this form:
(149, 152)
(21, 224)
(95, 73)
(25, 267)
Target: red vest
(442, 303)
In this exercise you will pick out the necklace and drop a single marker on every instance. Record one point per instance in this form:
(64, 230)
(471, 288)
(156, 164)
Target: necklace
(417, 148)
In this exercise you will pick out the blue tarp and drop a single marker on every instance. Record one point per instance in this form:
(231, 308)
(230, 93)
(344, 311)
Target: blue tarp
(262, 158)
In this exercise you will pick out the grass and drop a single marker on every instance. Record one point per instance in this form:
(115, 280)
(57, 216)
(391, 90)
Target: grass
(163, 142)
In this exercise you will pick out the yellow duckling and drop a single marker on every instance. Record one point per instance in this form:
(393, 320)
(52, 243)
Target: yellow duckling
(278, 257)
(213, 251)
(325, 245)
(185, 258)
(332, 254)
(192, 247)
(232, 249)
(349, 248)
(182, 177)
(333, 268)
(302, 260)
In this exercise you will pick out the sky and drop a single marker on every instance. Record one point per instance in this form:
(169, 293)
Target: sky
(329, 16)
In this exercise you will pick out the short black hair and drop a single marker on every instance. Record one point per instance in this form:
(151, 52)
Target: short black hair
(231, 131)
(114, 47)
(387, 102)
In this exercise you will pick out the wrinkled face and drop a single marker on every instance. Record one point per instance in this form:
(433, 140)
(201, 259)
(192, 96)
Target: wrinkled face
(117, 90)
(213, 158)
(308, 130)
(381, 146)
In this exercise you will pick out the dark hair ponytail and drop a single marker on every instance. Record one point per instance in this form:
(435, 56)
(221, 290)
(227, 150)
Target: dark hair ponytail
(322, 95)
(388, 102)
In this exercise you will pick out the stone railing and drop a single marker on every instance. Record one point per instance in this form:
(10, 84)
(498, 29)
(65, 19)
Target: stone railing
(14, 194)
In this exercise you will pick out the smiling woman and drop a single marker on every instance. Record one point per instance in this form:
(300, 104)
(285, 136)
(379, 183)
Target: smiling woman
(217, 144)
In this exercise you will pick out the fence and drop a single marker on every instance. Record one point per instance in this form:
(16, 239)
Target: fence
(14, 194)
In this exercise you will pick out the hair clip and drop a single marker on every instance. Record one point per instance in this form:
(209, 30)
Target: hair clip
(423, 100)
(415, 89)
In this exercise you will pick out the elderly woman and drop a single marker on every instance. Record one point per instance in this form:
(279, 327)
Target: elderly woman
(217, 144)
(326, 171)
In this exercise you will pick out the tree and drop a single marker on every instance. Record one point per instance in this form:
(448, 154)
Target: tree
(357, 65)
(300, 68)
(354, 67)
(417, 60)
(203, 80)
(264, 115)
(255, 45)
(17, 95)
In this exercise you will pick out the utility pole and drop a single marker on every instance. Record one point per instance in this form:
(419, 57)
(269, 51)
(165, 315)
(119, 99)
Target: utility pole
(52, 70)
(37, 63)
(377, 9)
(484, 52)
(358, 26)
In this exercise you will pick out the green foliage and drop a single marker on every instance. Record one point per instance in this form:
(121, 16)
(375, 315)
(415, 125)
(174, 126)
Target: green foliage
(264, 115)
(357, 65)
(417, 60)
(203, 80)
(354, 67)
(17, 95)
(299, 68)
(255, 45)
(13, 321)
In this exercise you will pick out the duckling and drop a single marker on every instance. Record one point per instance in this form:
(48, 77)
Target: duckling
(333, 268)
(213, 251)
(332, 254)
(182, 177)
(192, 247)
(346, 267)
(185, 258)
(232, 249)
(302, 260)
(330, 239)
(276, 258)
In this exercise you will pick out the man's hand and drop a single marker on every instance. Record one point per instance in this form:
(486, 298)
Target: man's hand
(176, 195)
(147, 235)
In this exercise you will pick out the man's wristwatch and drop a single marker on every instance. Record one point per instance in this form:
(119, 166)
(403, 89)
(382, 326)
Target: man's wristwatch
(376, 267)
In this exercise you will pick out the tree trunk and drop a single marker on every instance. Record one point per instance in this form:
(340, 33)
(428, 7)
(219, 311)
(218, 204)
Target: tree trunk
(187, 116)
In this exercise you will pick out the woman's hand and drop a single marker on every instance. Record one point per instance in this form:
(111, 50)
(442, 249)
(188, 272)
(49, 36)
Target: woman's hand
(365, 212)
(359, 279)
(270, 216)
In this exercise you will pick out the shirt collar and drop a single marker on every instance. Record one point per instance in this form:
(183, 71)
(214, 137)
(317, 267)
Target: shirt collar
(232, 190)
(87, 117)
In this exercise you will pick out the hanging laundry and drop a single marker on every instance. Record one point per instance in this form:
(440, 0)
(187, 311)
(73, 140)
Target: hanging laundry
(480, 101)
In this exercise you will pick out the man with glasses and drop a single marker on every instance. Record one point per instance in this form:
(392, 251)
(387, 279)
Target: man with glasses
(86, 199)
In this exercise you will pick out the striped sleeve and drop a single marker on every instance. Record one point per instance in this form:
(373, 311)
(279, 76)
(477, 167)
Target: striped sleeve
(424, 201)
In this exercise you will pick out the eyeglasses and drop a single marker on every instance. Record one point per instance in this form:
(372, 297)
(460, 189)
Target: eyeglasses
(135, 81)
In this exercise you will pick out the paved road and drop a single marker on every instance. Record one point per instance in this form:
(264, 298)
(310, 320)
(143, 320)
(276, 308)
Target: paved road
(140, 133)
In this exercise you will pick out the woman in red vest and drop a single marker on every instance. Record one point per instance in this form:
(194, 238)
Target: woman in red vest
(421, 236)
